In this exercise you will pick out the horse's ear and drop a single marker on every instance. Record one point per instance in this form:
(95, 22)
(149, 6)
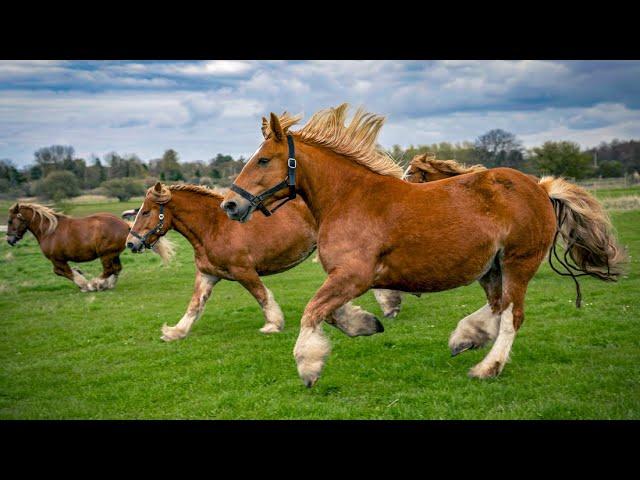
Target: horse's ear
(276, 128)
(265, 127)
(15, 209)
(158, 187)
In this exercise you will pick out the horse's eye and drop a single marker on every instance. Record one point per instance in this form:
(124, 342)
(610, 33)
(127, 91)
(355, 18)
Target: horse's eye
(146, 214)
(263, 161)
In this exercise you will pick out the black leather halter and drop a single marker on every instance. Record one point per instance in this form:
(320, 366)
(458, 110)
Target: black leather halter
(156, 229)
(257, 201)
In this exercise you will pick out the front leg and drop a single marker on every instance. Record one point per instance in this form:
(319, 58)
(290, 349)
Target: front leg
(312, 347)
(201, 292)
(64, 270)
(273, 316)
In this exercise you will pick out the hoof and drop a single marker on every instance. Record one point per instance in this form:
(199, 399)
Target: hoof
(310, 381)
(461, 347)
(169, 334)
(391, 314)
(379, 326)
(271, 328)
(483, 371)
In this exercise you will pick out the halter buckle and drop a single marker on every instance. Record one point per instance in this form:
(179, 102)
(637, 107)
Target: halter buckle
(292, 163)
(161, 216)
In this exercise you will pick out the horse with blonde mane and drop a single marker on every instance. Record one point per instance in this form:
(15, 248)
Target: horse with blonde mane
(377, 231)
(64, 239)
(227, 250)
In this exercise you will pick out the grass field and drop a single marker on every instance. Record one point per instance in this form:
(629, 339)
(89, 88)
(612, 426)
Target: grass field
(67, 354)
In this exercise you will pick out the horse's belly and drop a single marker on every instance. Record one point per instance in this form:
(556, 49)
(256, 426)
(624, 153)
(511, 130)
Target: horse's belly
(433, 273)
(281, 260)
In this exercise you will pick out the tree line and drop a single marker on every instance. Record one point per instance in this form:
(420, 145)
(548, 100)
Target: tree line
(58, 173)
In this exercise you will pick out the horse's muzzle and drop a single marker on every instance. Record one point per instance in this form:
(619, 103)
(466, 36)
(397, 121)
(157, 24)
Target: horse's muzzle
(11, 240)
(238, 210)
(135, 247)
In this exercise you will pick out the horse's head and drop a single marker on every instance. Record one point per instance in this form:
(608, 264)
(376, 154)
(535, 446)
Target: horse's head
(152, 221)
(418, 171)
(266, 168)
(17, 225)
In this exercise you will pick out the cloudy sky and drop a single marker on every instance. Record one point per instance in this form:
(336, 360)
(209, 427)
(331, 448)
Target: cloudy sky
(202, 108)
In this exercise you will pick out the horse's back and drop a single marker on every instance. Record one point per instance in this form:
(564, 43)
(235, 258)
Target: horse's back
(86, 238)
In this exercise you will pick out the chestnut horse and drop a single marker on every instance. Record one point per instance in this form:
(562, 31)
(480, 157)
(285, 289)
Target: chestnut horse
(377, 231)
(226, 250)
(64, 239)
(422, 168)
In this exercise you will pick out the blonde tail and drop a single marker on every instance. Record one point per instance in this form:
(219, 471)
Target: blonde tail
(585, 229)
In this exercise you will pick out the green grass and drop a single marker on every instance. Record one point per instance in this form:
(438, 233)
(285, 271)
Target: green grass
(615, 192)
(67, 354)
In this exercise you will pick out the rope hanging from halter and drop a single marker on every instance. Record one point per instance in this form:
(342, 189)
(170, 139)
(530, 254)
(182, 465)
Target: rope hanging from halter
(566, 262)
(257, 201)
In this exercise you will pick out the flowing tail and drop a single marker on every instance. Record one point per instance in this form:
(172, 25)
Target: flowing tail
(164, 247)
(586, 231)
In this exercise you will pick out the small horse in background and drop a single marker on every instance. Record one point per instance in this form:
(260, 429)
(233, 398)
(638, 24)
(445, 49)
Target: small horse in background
(425, 168)
(226, 250)
(64, 239)
(375, 230)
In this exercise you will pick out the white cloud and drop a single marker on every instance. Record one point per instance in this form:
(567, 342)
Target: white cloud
(201, 108)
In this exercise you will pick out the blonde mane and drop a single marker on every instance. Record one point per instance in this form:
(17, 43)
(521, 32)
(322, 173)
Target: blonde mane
(428, 163)
(165, 194)
(42, 213)
(356, 141)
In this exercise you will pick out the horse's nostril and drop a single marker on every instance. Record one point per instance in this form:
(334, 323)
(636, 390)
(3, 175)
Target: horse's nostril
(129, 245)
(230, 206)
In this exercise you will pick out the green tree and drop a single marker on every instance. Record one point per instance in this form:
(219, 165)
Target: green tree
(169, 166)
(123, 188)
(58, 185)
(610, 169)
(498, 148)
(562, 158)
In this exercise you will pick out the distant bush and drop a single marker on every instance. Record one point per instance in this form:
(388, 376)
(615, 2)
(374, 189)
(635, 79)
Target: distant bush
(150, 181)
(58, 185)
(123, 188)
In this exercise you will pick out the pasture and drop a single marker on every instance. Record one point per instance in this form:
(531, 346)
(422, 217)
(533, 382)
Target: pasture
(72, 355)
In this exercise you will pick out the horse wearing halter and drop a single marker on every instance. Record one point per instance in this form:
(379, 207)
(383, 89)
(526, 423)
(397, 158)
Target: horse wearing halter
(156, 229)
(257, 201)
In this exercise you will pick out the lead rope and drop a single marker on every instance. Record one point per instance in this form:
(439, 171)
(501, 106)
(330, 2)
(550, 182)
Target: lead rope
(561, 215)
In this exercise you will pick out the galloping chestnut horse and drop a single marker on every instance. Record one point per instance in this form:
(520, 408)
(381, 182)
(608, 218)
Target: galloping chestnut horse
(377, 231)
(226, 250)
(65, 239)
(423, 168)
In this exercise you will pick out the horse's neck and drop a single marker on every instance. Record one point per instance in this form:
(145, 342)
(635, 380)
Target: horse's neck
(326, 178)
(38, 224)
(194, 215)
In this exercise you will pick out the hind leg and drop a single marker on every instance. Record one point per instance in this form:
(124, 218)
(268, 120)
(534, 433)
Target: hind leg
(201, 291)
(480, 327)
(389, 301)
(517, 272)
(273, 316)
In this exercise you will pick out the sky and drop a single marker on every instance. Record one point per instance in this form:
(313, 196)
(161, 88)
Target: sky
(207, 107)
